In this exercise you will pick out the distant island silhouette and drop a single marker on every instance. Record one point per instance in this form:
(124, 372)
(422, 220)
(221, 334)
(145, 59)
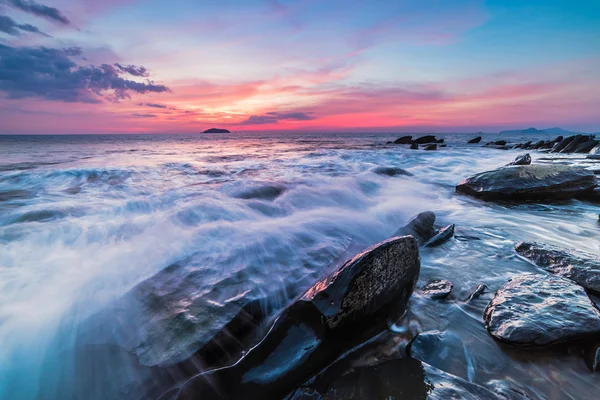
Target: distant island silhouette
(216, 130)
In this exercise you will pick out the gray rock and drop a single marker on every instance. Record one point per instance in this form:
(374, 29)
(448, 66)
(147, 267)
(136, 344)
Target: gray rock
(530, 182)
(475, 140)
(524, 159)
(426, 139)
(391, 171)
(431, 147)
(479, 290)
(404, 140)
(437, 289)
(420, 227)
(541, 310)
(441, 236)
(583, 269)
(586, 146)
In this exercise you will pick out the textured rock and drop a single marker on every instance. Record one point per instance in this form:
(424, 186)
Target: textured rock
(404, 140)
(524, 159)
(530, 182)
(479, 290)
(391, 171)
(541, 310)
(441, 236)
(475, 140)
(584, 269)
(437, 289)
(420, 227)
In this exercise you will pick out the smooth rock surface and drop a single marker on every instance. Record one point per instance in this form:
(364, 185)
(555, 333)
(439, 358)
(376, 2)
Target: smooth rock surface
(583, 269)
(530, 182)
(534, 310)
(441, 236)
(404, 140)
(475, 140)
(420, 227)
(425, 139)
(437, 289)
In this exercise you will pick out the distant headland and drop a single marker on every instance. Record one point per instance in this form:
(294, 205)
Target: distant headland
(553, 131)
(216, 130)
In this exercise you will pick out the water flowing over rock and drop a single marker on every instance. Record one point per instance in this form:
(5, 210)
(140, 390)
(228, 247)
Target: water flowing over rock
(441, 236)
(524, 159)
(475, 140)
(420, 227)
(437, 289)
(585, 269)
(530, 182)
(541, 310)
(391, 171)
(333, 316)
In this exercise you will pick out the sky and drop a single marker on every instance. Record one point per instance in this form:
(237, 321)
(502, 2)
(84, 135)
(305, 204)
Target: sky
(183, 66)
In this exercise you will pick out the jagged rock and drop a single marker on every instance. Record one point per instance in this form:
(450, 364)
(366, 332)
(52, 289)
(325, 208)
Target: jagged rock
(563, 143)
(441, 236)
(431, 147)
(479, 290)
(583, 270)
(332, 317)
(404, 140)
(426, 139)
(437, 289)
(524, 159)
(526, 145)
(391, 171)
(541, 310)
(420, 227)
(475, 140)
(586, 146)
(530, 182)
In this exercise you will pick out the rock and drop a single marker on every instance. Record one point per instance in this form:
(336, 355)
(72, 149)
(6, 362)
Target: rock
(541, 310)
(443, 145)
(216, 130)
(441, 236)
(437, 289)
(583, 270)
(530, 182)
(524, 159)
(262, 192)
(538, 145)
(547, 144)
(439, 141)
(391, 171)
(593, 196)
(420, 227)
(592, 357)
(426, 139)
(475, 140)
(404, 140)
(562, 144)
(414, 146)
(558, 139)
(586, 146)
(332, 317)
(526, 145)
(500, 142)
(479, 290)
(431, 147)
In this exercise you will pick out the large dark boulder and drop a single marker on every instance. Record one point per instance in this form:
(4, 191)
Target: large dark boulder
(541, 310)
(530, 182)
(404, 140)
(584, 269)
(426, 139)
(420, 227)
(475, 140)
(524, 159)
(332, 317)
(586, 146)
(563, 143)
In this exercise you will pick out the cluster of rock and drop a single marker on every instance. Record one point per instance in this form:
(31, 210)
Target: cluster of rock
(428, 142)
(572, 144)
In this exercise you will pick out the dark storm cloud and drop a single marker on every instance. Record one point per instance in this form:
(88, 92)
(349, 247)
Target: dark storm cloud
(8, 25)
(40, 10)
(274, 117)
(153, 105)
(50, 74)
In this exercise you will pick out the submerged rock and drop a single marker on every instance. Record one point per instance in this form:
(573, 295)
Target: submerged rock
(541, 310)
(479, 290)
(404, 140)
(475, 140)
(530, 182)
(437, 289)
(426, 139)
(524, 159)
(431, 147)
(441, 236)
(391, 171)
(583, 270)
(333, 316)
(420, 227)
(265, 192)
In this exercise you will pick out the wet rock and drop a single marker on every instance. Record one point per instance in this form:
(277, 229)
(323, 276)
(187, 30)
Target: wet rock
(439, 141)
(404, 140)
(562, 144)
(420, 227)
(541, 310)
(577, 140)
(584, 269)
(431, 147)
(593, 196)
(547, 144)
(426, 139)
(500, 142)
(391, 171)
(414, 146)
(441, 236)
(332, 317)
(479, 290)
(592, 357)
(266, 192)
(530, 182)
(526, 145)
(537, 145)
(586, 146)
(437, 289)
(524, 159)
(475, 140)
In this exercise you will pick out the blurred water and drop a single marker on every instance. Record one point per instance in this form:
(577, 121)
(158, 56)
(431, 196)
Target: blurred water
(83, 219)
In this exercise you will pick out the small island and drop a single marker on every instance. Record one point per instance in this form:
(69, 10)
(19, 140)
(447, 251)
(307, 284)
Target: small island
(216, 130)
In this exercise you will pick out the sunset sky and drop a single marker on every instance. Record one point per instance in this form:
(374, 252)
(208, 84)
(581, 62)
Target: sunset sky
(182, 66)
